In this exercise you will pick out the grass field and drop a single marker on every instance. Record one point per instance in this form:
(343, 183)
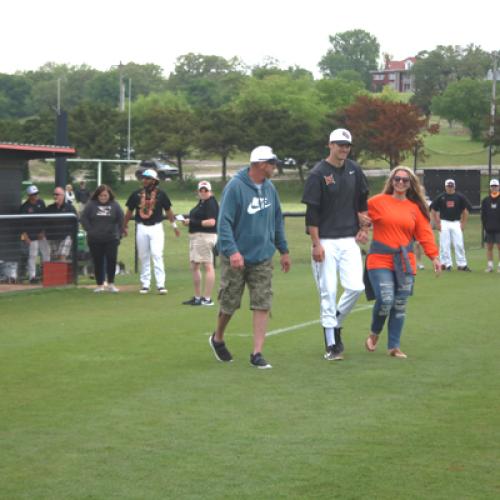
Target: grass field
(119, 396)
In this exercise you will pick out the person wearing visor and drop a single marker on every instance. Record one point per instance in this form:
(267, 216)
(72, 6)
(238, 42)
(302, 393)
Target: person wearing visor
(149, 204)
(335, 194)
(450, 211)
(35, 235)
(490, 218)
(249, 230)
(202, 223)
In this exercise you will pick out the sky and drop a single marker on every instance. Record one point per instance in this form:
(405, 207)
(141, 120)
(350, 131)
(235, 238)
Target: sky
(104, 33)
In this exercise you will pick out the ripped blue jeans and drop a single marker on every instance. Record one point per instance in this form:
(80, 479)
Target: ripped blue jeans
(390, 301)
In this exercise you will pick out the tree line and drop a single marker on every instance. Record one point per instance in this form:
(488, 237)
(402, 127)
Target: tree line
(218, 106)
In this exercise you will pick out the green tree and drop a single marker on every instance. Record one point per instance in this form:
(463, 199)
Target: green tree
(207, 81)
(338, 93)
(435, 70)
(220, 133)
(285, 113)
(15, 94)
(164, 124)
(93, 128)
(467, 101)
(355, 50)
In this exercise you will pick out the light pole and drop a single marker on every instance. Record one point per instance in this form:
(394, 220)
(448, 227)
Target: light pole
(491, 133)
(129, 116)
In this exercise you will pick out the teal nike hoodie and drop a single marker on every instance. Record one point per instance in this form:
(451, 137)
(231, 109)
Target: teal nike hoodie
(250, 220)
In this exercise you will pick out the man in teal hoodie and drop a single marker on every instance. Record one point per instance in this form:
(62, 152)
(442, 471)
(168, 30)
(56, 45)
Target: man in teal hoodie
(249, 229)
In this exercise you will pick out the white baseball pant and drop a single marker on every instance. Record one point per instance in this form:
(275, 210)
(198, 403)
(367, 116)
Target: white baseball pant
(342, 256)
(150, 243)
(451, 233)
(36, 246)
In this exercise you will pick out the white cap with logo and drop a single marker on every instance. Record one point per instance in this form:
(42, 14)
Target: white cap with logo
(494, 182)
(151, 174)
(204, 184)
(341, 136)
(261, 154)
(449, 182)
(32, 190)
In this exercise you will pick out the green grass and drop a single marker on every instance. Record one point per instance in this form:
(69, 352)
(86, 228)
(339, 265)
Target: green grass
(119, 396)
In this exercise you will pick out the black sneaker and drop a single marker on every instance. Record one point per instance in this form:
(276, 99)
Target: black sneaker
(467, 269)
(193, 301)
(220, 351)
(333, 353)
(338, 340)
(258, 361)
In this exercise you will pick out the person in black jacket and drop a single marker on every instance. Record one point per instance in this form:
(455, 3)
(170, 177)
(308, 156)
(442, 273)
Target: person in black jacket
(102, 218)
(490, 217)
(59, 232)
(202, 224)
(34, 236)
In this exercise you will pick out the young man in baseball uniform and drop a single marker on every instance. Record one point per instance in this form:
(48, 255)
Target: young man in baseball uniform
(450, 211)
(335, 193)
(149, 203)
(490, 217)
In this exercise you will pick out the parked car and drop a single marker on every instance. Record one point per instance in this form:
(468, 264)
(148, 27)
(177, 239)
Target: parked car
(287, 162)
(165, 169)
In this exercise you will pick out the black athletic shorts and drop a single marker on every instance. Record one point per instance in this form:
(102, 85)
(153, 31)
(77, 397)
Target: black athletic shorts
(492, 237)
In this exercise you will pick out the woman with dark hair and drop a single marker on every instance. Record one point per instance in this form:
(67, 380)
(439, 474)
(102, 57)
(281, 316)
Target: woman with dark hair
(400, 216)
(102, 218)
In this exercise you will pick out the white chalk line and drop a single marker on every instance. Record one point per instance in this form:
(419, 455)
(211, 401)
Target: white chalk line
(292, 328)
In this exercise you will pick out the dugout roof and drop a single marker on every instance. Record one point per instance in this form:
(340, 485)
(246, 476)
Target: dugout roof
(11, 150)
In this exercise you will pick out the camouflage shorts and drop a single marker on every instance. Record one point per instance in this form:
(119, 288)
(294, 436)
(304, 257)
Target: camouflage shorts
(258, 278)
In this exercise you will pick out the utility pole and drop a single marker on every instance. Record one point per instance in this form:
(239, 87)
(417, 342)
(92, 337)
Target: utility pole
(129, 116)
(492, 114)
(121, 103)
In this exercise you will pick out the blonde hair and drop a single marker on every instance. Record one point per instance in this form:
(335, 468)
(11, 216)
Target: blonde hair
(415, 193)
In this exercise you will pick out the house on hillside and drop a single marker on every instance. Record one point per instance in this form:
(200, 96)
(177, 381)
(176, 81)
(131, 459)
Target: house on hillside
(396, 74)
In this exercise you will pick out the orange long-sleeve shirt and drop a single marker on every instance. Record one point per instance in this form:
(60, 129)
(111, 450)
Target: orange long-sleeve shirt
(396, 223)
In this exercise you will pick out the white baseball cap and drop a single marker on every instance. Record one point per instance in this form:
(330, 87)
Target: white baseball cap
(494, 182)
(341, 136)
(32, 190)
(204, 184)
(262, 153)
(152, 174)
(449, 181)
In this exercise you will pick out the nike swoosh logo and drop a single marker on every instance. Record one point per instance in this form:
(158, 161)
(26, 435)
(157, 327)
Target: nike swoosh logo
(351, 172)
(255, 207)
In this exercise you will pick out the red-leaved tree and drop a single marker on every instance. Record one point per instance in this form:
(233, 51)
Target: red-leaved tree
(386, 130)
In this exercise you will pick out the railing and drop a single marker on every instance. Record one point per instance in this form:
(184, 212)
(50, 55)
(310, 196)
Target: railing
(39, 247)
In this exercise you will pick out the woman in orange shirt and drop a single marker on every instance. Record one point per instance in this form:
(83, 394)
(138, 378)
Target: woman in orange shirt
(400, 216)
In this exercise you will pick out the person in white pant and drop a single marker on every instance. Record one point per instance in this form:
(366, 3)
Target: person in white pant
(450, 211)
(35, 235)
(336, 193)
(149, 204)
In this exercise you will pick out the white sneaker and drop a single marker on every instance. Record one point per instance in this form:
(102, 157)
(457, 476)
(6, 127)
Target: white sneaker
(489, 269)
(162, 290)
(420, 266)
(498, 269)
(112, 288)
(144, 290)
(99, 289)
